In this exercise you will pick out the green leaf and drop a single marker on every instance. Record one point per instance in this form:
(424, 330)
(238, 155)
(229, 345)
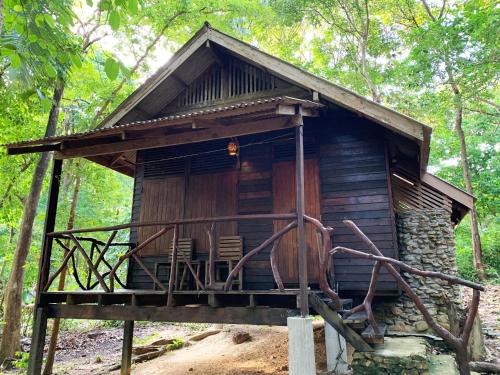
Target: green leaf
(64, 58)
(111, 68)
(39, 20)
(114, 20)
(132, 6)
(15, 60)
(76, 61)
(46, 104)
(51, 71)
(18, 8)
(90, 3)
(48, 18)
(125, 71)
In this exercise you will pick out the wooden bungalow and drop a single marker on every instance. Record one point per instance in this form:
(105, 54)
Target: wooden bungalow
(242, 165)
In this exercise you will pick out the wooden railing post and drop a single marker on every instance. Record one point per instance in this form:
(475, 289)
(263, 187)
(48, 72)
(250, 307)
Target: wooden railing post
(173, 267)
(211, 256)
(301, 235)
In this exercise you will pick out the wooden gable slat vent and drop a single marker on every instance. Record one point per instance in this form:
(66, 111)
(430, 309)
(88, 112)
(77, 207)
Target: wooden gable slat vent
(213, 157)
(163, 162)
(409, 193)
(199, 158)
(237, 79)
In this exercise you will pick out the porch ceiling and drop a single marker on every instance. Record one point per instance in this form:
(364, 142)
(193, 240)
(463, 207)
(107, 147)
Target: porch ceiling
(115, 147)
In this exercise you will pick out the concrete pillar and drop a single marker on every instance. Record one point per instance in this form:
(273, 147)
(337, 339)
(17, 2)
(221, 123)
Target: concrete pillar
(336, 350)
(301, 359)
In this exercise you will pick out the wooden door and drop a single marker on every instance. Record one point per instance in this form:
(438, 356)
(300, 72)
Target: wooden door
(161, 200)
(211, 195)
(284, 201)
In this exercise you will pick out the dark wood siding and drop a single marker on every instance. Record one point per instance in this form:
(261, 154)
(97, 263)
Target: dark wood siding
(255, 196)
(354, 185)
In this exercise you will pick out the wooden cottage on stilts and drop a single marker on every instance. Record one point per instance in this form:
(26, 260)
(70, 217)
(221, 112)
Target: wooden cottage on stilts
(245, 168)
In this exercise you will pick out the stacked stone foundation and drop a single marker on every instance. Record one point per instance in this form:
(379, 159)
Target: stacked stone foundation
(426, 241)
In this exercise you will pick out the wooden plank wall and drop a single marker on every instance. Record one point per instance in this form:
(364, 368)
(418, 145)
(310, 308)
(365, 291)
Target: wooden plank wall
(208, 196)
(354, 185)
(255, 196)
(284, 195)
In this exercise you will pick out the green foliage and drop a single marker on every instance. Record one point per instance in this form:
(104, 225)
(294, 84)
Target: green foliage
(21, 361)
(177, 343)
(400, 55)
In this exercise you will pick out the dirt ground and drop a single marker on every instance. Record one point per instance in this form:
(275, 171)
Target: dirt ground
(265, 353)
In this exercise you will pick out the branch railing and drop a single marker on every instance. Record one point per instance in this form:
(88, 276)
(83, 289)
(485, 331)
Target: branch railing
(458, 343)
(135, 250)
(325, 254)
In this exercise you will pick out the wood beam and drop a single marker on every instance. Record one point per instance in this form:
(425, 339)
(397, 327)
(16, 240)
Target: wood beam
(50, 222)
(176, 139)
(28, 149)
(198, 314)
(300, 207)
(333, 318)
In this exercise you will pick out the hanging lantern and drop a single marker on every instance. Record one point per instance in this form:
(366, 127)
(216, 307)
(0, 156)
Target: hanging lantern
(232, 147)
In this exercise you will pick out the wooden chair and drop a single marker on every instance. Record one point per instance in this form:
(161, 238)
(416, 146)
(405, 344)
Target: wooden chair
(184, 254)
(230, 252)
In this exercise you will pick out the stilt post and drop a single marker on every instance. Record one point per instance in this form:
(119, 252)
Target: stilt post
(336, 350)
(128, 335)
(37, 342)
(301, 236)
(40, 313)
(301, 359)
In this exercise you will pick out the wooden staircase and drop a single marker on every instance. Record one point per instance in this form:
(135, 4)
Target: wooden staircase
(355, 328)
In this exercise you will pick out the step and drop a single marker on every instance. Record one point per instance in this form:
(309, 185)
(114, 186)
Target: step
(344, 302)
(356, 318)
(397, 355)
(444, 364)
(371, 337)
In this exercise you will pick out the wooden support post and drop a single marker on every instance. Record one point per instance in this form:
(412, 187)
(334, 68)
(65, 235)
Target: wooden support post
(301, 236)
(37, 342)
(173, 268)
(128, 335)
(50, 222)
(40, 318)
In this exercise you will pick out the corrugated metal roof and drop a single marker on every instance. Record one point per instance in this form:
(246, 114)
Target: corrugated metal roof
(255, 104)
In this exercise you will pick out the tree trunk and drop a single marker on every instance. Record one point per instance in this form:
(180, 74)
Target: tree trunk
(49, 364)
(476, 239)
(11, 336)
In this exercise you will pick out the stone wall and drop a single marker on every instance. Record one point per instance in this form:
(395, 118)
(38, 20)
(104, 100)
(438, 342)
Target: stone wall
(426, 241)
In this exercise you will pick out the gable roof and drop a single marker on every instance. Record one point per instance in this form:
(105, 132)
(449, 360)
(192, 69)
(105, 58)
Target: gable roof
(329, 91)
